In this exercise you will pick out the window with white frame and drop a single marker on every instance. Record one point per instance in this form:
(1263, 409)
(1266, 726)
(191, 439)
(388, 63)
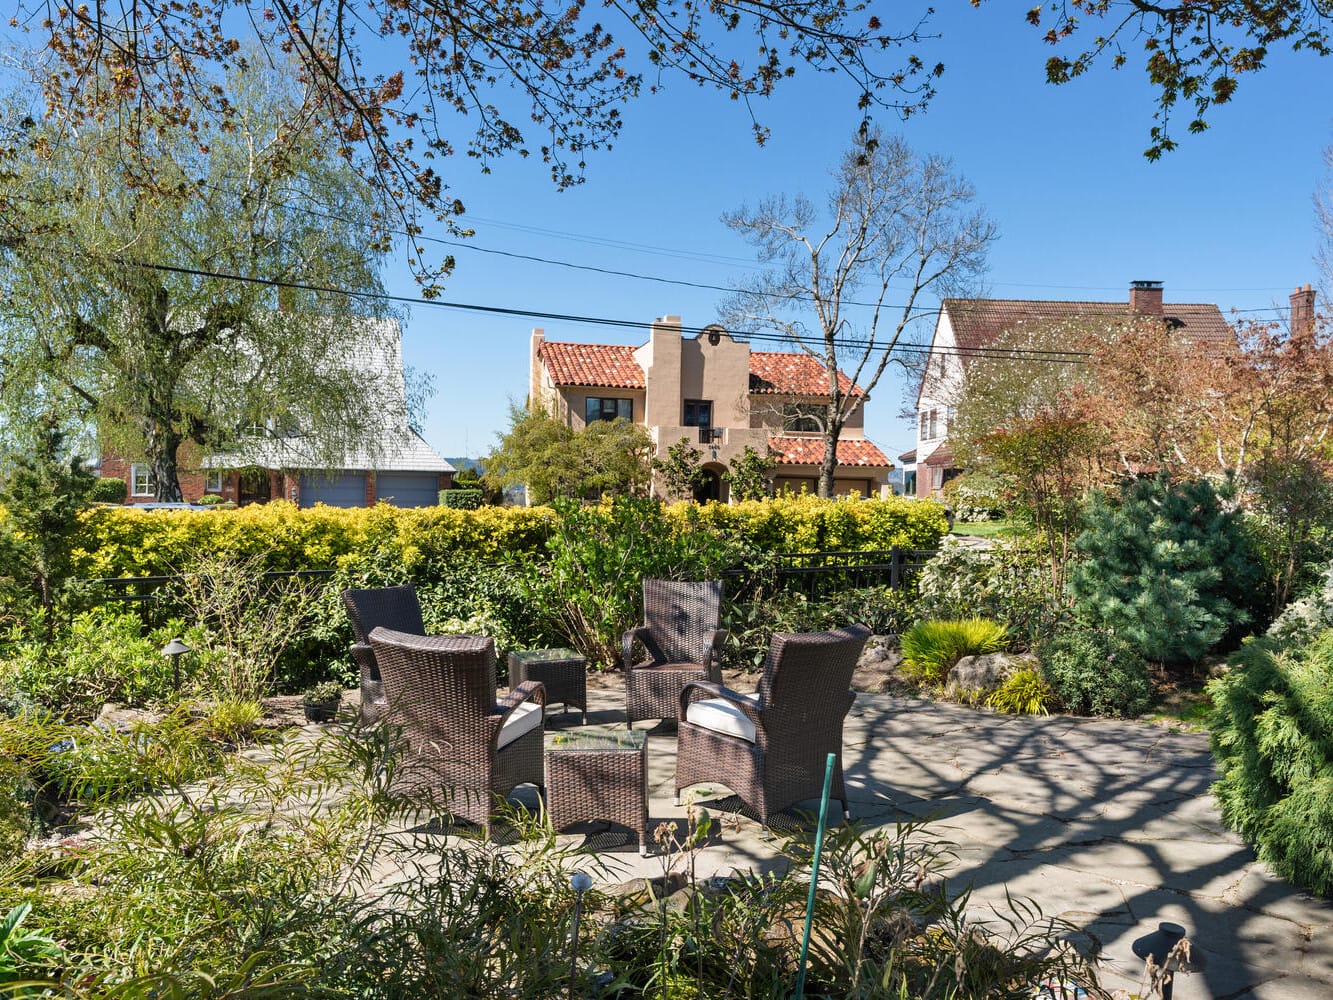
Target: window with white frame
(141, 480)
(925, 426)
(934, 426)
(213, 481)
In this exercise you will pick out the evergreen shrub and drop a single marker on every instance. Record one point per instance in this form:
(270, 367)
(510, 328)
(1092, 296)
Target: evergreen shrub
(1165, 567)
(460, 499)
(1272, 736)
(108, 489)
(931, 648)
(1095, 673)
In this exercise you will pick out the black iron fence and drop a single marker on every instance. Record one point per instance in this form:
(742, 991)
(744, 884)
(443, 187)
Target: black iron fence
(811, 573)
(818, 573)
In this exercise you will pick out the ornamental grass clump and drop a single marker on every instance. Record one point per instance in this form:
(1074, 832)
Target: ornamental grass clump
(931, 648)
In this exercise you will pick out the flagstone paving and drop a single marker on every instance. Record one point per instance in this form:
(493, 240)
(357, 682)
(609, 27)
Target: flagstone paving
(1107, 824)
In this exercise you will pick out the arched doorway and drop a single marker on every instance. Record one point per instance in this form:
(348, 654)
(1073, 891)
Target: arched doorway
(710, 486)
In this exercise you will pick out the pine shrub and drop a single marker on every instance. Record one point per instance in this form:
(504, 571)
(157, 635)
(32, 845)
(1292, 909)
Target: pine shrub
(931, 648)
(1095, 673)
(1272, 736)
(1166, 568)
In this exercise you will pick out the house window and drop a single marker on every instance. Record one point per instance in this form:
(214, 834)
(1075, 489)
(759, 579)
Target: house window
(599, 408)
(925, 426)
(803, 418)
(141, 480)
(698, 413)
(213, 481)
(934, 427)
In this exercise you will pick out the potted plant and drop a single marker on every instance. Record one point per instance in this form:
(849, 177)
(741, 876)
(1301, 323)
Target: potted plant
(321, 701)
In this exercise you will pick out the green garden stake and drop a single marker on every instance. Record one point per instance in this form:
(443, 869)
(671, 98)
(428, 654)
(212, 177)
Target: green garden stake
(814, 875)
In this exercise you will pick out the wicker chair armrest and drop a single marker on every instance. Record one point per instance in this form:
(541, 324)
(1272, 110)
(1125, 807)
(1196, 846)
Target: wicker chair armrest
(627, 644)
(527, 691)
(710, 689)
(364, 655)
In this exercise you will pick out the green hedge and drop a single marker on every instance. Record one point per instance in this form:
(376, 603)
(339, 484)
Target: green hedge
(461, 499)
(108, 489)
(1272, 735)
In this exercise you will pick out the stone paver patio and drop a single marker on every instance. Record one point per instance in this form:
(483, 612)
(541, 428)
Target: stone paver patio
(1107, 824)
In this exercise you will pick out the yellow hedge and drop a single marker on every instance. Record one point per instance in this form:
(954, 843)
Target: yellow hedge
(119, 541)
(806, 523)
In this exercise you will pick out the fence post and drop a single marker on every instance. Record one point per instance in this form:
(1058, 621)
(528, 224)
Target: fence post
(895, 567)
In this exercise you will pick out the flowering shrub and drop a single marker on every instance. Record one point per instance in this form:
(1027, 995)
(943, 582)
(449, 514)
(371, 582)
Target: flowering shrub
(1004, 582)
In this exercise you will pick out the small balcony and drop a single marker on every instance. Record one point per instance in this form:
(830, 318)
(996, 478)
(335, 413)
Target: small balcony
(711, 435)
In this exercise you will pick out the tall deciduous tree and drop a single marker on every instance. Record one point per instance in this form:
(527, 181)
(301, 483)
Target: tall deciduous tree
(142, 289)
(894, 219)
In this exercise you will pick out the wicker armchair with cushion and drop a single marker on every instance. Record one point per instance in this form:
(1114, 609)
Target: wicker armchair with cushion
(395, 608)
(770, 747)
(460, 739)
(682, 643)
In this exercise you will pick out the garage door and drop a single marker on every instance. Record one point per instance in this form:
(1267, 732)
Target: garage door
(408, 489)
(343, 489)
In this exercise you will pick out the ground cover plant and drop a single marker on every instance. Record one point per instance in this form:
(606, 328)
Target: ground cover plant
(257, 880)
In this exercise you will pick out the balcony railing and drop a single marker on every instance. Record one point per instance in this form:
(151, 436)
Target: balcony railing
(710, 435)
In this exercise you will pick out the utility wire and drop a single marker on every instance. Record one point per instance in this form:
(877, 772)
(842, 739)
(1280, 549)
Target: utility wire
(1055, 357)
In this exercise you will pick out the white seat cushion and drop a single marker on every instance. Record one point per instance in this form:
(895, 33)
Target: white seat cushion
(722, 716)
(526, 718)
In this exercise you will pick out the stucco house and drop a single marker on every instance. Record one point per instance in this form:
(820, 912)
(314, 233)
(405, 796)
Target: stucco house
(967, 326)
(712, 389)
(393, 464)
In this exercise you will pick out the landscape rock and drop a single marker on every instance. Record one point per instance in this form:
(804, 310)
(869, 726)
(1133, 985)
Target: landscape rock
(987, 672)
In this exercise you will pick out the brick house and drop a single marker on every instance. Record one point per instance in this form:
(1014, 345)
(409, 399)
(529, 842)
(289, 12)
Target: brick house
(965, 326)
(397, 466)
(715, 391)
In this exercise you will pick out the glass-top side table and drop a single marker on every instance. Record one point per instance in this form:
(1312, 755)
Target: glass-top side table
(598, 776)
(563, 672)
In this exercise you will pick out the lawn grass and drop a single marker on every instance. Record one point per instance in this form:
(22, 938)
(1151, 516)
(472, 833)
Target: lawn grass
(988, 529)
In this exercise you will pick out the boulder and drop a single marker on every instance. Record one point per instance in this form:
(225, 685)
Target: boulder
(987, 672)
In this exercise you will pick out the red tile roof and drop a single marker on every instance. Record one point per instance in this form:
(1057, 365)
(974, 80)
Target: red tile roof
(810, 451)
(789, 373)
(977, 322)
(941, 457)
(614, 366)
(610, 365)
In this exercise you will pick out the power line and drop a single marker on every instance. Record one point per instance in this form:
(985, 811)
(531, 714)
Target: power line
(1055, 357)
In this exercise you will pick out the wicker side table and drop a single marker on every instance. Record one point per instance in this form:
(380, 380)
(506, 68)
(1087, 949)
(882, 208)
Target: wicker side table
(598, 775)
(563, 672)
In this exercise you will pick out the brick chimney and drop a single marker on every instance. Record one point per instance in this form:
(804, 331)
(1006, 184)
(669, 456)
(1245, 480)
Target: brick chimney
(1145, 297)
(1302, 310)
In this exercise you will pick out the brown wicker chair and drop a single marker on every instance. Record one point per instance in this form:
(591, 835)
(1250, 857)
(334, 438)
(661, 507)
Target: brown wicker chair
(460, 739)
(770, 748)
(394, 608)
(682, 642)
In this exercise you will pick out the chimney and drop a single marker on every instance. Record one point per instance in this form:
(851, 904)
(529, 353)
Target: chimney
(1302, 310)
(536, 396)
(1145, 297)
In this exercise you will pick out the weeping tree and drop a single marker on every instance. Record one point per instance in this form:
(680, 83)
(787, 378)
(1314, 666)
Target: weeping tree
(893, 219)
(170, 284)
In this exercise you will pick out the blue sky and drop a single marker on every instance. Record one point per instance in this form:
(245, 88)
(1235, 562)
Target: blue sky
(1227, 218)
